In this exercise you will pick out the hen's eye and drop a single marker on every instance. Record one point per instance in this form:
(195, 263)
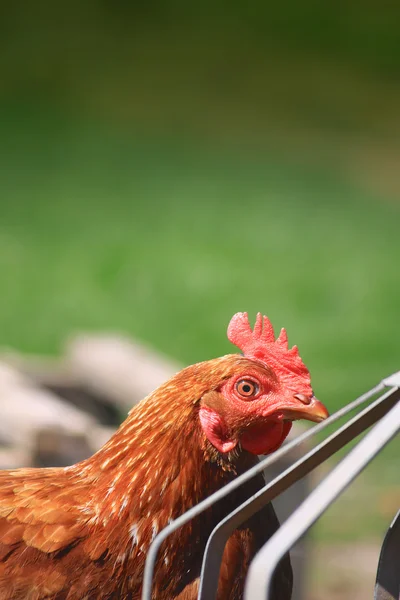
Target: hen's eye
(247, 388)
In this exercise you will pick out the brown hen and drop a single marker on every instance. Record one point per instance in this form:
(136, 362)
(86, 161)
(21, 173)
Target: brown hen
(83, 532)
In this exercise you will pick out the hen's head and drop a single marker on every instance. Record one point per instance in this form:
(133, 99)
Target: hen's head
(270, 388)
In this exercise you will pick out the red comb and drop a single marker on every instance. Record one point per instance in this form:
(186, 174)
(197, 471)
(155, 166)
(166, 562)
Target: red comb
(260, 344)
(255, 343)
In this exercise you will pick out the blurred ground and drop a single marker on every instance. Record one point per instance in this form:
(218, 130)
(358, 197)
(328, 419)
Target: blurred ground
(343, 572)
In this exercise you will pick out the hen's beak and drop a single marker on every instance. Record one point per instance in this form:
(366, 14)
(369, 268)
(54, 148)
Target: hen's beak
(309, 408)
(299, 406)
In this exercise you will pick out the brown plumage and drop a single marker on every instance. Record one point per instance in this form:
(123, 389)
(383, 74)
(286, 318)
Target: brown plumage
(83, 532)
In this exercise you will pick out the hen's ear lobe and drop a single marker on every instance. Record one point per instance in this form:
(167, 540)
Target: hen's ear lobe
(212, 400)
(216, 429)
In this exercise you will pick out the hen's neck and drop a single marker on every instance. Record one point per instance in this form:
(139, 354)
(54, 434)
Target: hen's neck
(159, 462)
(155, 467)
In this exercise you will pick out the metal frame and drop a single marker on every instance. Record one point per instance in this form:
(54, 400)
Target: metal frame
(383, 413)
(387, 584)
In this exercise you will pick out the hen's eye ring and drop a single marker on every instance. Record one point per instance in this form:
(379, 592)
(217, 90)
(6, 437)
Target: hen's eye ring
(247, 388)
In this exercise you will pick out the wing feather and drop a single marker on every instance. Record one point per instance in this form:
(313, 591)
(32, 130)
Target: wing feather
(40, 515)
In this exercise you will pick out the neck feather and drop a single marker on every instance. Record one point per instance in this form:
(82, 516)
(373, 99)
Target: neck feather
(159, 462)
(155, 467)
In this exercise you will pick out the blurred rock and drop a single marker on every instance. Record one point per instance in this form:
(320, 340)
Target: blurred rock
(26, 409)
(56, 412)
(13, 458)
(55, 447)
(118, 368)
(99, 372)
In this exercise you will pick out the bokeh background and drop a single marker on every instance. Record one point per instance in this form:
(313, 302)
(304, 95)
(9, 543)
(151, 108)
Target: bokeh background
(164, 165)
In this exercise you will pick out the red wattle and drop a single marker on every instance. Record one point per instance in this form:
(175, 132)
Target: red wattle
(265, 437)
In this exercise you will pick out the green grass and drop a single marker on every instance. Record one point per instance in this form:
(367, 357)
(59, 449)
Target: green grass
(165, 239)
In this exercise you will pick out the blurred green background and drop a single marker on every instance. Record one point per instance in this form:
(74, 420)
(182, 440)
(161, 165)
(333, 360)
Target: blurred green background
(166, 165)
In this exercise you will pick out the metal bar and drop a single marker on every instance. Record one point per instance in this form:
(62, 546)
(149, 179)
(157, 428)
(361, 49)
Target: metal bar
(236, 483)
(218, 538)
(258, 583)
(387, 586)
(393, 380)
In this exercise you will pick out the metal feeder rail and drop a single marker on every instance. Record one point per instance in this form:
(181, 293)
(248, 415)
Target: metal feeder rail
(383, 414)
